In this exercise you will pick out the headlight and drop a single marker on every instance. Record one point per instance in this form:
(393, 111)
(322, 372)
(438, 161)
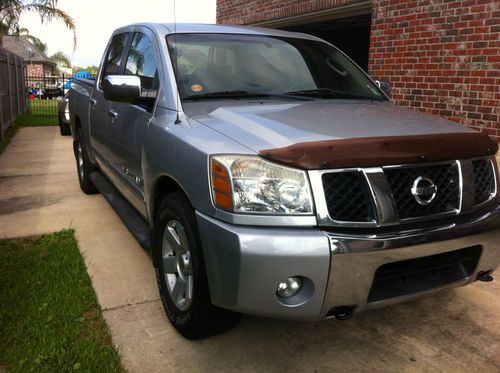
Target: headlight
(250, 184)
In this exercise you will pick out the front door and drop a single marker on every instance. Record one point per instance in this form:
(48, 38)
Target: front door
(129, 122)
(99, 107)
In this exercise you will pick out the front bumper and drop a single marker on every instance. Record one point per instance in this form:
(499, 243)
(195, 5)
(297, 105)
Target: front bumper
(245, 264)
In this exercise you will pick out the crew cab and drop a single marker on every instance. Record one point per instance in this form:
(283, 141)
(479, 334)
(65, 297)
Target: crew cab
(269, 175)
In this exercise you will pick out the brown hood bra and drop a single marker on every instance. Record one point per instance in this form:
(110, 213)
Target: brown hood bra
(382, 151)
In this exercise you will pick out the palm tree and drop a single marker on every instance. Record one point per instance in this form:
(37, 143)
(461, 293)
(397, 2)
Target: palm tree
(11, 10)
(40, 45)
(61, 59)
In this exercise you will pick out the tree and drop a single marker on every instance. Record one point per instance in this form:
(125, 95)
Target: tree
(11, 11)
(40, 45)
(93, 69)
(61, 59)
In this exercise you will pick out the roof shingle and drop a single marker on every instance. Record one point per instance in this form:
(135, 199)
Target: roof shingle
(23, 48)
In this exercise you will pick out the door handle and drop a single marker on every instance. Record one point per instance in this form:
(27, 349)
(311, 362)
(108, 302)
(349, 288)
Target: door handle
(93, 102)
(113, 114)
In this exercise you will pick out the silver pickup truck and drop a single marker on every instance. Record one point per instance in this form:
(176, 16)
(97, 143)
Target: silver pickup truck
(269, 175)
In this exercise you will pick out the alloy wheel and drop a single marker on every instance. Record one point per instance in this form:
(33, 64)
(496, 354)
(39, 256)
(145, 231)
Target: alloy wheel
(177, 265)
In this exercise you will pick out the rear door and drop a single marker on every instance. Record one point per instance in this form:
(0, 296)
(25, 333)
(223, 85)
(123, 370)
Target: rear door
(112, 64)
(130, 121)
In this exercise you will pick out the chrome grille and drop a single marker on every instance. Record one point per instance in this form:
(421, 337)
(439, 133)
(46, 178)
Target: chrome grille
(484, 180)
(347, 197)
(445, 177)
(383, 196)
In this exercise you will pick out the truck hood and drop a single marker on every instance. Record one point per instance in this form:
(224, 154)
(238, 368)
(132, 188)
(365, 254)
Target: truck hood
(276, 124)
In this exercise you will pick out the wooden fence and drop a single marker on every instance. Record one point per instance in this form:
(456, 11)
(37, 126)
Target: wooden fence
(12, 91)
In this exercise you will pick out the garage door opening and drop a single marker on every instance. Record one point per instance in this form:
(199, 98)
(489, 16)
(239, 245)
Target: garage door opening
(351, 35)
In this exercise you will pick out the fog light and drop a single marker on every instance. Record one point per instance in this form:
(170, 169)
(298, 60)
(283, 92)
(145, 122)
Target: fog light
(289, 287)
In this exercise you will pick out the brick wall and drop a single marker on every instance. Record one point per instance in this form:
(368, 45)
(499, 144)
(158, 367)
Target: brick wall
(34, 69)
(39, 69)
(441, 56)
(251, 11)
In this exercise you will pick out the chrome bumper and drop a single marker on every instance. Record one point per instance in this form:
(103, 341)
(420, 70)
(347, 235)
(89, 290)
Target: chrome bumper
(245, 264)
(356, 259)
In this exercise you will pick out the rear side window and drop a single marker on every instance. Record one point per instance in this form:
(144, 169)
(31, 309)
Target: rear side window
(115, 55)
(141, 61)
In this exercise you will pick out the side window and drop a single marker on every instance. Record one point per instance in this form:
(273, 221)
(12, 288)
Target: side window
(115, 55)
(141, 61)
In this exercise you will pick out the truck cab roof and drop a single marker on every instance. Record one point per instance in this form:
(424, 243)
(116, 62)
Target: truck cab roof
(187, 28)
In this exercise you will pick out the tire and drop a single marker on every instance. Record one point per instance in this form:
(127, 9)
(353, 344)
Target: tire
(83, 165)
(64, 129)
(176, 237)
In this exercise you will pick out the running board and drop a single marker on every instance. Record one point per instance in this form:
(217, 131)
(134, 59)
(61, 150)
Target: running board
(134, 222)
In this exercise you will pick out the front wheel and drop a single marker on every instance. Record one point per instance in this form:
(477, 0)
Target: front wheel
(181, 274)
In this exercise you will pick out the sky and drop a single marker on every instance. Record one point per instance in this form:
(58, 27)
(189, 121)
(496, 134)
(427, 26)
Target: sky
(96, 19)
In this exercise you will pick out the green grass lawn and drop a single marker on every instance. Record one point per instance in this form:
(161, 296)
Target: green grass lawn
(50, 320)
(43, 107)
(30, 120)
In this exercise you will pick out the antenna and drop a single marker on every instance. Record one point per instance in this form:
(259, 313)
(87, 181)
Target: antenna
(177, 119)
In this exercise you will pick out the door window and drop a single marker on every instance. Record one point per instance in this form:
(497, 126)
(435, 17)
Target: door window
(113, 63)
(141, 61)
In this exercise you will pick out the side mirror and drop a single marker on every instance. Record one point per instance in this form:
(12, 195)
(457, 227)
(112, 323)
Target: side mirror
(384, 86)
(121, 88)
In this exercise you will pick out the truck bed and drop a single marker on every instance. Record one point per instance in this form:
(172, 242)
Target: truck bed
(85, 82)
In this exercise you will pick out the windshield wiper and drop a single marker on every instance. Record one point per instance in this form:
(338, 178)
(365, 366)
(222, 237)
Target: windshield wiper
(238, 94)
(328, 93)
(222, 94)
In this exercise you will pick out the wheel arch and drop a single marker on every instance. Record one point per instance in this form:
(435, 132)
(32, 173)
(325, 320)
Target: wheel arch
(75, 124)
(163, 185)
(79, 127)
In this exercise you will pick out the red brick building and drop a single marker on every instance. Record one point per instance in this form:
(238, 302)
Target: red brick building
(441, 56)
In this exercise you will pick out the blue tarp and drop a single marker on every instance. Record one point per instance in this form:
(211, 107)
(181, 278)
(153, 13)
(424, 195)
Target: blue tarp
(83, 75)
(78, 75)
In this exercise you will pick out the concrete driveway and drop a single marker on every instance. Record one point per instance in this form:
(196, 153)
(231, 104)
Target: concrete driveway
(458, 330)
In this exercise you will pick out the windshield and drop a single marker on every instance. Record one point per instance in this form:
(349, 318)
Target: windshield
(212, 65)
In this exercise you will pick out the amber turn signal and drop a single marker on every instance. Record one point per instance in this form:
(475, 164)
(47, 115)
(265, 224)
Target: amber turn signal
(221, 186)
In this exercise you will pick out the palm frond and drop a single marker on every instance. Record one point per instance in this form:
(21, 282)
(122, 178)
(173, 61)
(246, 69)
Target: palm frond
(61, 59)
(48, 12)
(40, 45)
(10, 11)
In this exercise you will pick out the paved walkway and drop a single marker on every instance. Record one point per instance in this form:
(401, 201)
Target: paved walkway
(457, 330)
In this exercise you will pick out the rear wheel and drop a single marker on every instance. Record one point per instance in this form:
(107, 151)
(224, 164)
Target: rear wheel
(181, 274)
(83, 165)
